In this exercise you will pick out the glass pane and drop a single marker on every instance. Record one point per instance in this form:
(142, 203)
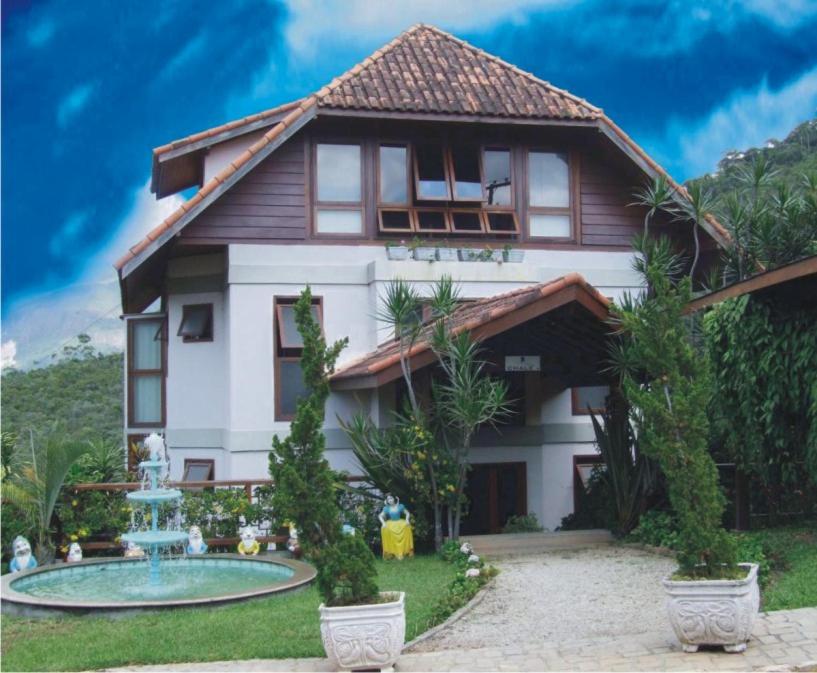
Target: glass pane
(396, 219)
(339, 173)
(550, 226)
(197, 472)
(501, 222)
(466, 221)
(290, 337)
(431, 172)
(594, 397)
(147, 344)
(393, 175)
(467, 180)
(498, 177)
(433, 220)
(147, 399)
(549, 184)
(196, 323)
(339, 221)
(291, 386)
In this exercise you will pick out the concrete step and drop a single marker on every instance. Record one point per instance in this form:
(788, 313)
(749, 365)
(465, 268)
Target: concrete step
(510, 544)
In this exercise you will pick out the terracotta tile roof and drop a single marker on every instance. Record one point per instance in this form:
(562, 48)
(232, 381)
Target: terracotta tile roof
(427, 70)
(467, 317)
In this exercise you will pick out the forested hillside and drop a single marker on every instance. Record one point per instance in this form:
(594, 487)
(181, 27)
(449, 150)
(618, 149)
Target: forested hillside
(791, 158)
(81, 392)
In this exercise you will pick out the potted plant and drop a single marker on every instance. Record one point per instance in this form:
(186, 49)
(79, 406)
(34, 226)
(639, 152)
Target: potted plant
(360, 627)
(446, 254)
(468, 254)
(423, 253)
(712, 599)
(397, 251)
(511, 255)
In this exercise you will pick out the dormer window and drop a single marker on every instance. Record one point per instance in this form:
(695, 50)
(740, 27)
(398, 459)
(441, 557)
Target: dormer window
(339, 174)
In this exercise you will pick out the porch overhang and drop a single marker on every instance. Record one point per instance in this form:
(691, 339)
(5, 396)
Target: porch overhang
(581, 328)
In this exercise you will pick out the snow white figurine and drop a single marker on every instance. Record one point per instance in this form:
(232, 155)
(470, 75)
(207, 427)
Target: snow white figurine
(395, 532)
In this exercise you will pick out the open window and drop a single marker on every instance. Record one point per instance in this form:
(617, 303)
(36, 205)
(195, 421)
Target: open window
(199, 469)
(466, 173)
(289, 382)
(395, 220)
(583, 468)
(549, 195)
(497, 181)
(196, 323)
(338, 177)
(589, 399)
(467, 222)
(430, 174)
(432, 220)
(146, 372)
(502, 222)
(394, 190)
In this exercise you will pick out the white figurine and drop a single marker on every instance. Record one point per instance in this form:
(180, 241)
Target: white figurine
(473, 558)
(74, 553)
(467, 548)
(156, 445)
(472, 572)
(249, 545)
(195, 541)
(134, 551)
(293, 547)
(23, 558)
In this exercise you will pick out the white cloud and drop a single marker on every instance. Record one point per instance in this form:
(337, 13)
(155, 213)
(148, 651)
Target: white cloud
(8, 354)
(41, 33)
(746, 119)
(783, 13)
(192, 48)
(73, 103)
(68, 238)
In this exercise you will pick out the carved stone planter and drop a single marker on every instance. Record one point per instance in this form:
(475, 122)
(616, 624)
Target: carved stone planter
(364, 636)
(714, 612)
(398, 252)
(423, 254)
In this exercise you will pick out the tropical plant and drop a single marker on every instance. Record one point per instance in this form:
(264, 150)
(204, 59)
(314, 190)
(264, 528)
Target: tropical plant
(522, 523)
(305, 485)
(629, 474)
(696, 208)
(654, 196)
(38, 473)
(104, 462)
(668, 386)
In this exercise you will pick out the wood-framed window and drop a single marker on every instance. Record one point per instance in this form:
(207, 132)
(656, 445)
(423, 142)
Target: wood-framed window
(288, 377)
(147, 367)
(394, 189)
(196, 324)
(431, 171)
(395, 220)
(338, 189)
(549, 195)
(583, 468)
(465, 165)
(501, 222)
(467, 221)
(199, 469)
(585, 400)
(498, 178)
(431, 220)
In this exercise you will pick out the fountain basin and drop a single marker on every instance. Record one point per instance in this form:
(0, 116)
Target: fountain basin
(121, 585)
(163, 538)
(154, 495)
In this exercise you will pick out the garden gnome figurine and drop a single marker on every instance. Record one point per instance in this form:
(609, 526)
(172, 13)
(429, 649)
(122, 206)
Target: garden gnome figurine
(249, 545)
(395, 532)
(23, 558)
(74, 553)
(133, 550)
(293, 547)
(195, 541)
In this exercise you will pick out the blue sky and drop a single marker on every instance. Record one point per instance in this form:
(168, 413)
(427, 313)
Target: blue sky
(88, 88)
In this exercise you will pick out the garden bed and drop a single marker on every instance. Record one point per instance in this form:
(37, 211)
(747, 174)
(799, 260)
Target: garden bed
(280, 627)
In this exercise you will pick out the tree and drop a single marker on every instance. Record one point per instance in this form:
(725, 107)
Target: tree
(668, 386)
(655, 196)
(305, 485)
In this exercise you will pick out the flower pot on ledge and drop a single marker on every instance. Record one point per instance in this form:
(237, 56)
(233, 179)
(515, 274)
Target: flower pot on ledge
(397, 252)
(447, 254)
(424, 254)
(365, 636)
(714, 612)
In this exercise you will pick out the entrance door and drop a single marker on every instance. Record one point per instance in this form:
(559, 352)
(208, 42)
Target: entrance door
(496, 491)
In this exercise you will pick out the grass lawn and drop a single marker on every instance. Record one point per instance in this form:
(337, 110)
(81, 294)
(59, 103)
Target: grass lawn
(270, 628)
(792, 552)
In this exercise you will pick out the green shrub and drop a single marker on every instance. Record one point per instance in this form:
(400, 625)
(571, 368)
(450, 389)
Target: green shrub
(751, 550)
(526, 523)
(346, 572)
(657, 529)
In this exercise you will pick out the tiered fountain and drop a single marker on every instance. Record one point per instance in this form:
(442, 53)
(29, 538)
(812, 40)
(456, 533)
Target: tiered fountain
(154, 494)
(116, 585)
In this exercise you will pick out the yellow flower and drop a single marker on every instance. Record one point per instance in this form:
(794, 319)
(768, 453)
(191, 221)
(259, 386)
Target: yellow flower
(450, 487)
(74, 538)
(74, 503)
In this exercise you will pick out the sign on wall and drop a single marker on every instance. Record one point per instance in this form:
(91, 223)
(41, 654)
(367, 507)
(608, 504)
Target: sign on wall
(523, 363)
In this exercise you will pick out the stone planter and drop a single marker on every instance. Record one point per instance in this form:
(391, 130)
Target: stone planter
(398, 252)
(447, 254)
(477, 255)
(714, 612)
(513, 256)
(424, 254)
(364, 636)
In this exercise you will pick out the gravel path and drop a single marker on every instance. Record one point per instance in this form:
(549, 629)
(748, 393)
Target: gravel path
(564, 596)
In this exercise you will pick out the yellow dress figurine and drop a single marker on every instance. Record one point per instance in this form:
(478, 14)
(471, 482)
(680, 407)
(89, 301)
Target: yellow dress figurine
(248, 546)
(395, 532)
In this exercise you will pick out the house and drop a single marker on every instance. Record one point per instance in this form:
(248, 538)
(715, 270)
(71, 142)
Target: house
(428, 137)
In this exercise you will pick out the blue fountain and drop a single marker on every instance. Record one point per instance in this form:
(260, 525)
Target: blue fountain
(154, 494)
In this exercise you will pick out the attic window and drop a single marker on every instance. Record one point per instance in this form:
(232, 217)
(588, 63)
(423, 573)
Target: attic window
(466, 173)
(430, 174)
(197, 323)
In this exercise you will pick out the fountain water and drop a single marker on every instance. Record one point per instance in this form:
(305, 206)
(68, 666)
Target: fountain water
(154, 494)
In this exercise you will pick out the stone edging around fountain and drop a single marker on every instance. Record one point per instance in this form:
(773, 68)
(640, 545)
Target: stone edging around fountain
(25, 605)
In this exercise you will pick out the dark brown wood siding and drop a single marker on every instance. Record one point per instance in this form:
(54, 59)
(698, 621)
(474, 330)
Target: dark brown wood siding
(607, 219)
(268, 205)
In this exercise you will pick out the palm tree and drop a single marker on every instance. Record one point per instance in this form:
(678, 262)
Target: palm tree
(654, 196)
(696, 208)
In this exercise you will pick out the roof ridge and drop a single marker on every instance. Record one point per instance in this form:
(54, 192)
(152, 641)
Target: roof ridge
(510, 66)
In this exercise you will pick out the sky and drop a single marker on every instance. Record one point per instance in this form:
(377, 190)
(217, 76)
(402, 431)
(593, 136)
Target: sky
(89, 88)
